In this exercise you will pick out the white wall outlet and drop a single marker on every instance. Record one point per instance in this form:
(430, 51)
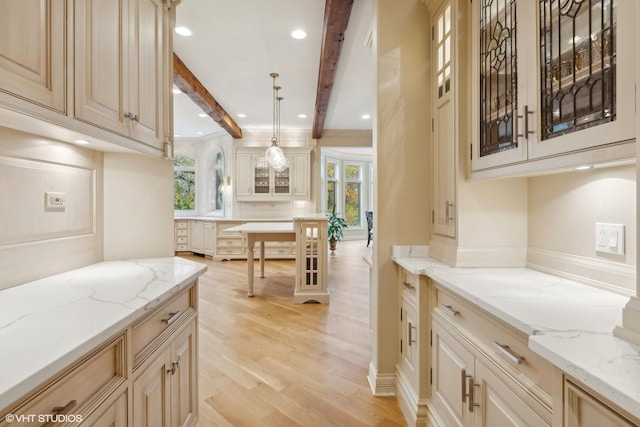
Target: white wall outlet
(55, 200)
(610, 238)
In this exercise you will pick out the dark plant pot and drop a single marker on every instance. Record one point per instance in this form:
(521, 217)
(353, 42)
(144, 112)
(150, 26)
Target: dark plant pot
(332, 246)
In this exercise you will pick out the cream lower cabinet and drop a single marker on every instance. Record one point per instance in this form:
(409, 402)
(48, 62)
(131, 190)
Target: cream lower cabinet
(202, 237)
(468, 393)
(483, 373)
(583, 409)
(165, 393)
(149, 371)
(412, 376)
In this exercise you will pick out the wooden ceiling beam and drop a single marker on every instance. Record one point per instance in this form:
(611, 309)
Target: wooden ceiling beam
(336, 19)
(187, 82)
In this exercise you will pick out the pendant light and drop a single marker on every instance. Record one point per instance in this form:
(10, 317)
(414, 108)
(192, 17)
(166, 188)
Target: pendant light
(274, 155)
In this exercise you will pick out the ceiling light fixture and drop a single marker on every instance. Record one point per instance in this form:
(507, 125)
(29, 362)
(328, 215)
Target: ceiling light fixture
(583, 167)
(366, 116)
(183, 31)
(242, 115)
(274, 154)
(298, 34)
(176, 91)
(302, 116)
(81, 141)
(203, 115)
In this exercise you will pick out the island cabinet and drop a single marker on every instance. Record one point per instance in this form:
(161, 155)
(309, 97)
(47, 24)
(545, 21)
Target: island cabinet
(553, 94)
(413, 387)
(147, 371)
(256, 181)
(483, 371)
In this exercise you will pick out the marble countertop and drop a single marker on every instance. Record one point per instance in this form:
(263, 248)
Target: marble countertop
(568, 323)
(264, 227)
(311, 216)
(47, 324)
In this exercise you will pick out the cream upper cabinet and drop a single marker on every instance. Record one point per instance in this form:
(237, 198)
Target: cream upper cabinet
(445, 131)
(119, 67)
(257, 181)
(550, 85)
(32, 51)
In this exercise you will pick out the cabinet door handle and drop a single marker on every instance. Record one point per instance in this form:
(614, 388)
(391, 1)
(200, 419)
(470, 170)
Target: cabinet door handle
(408, 286)
(506, 351)
(463, 378)
(59, 410)
(525, 116)
(471, 393)
(172, 318)
(448, 205)
(450, 310)
(411, 327)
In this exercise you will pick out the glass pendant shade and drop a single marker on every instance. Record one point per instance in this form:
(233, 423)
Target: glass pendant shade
(274, 155)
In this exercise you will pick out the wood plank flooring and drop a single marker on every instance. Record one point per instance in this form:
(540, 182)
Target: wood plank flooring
(265, 361)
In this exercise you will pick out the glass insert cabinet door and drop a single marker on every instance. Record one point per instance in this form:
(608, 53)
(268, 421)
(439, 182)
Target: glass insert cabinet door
(578, 64)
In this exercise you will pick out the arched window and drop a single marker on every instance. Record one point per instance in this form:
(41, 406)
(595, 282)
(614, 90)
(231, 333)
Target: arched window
(184, 183)
(216, 182)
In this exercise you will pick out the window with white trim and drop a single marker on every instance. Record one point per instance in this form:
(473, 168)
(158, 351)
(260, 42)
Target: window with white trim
(184, 183)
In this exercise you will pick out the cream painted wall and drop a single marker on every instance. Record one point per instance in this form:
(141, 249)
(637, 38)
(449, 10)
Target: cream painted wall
(138, 207)
(563, 210)
(401, 154)
(36, 242)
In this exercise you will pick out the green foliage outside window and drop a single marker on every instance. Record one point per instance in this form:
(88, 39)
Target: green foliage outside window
(352, 203)
(184, 183)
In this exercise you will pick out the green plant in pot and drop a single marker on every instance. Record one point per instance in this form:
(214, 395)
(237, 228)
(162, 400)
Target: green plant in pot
(335, 226)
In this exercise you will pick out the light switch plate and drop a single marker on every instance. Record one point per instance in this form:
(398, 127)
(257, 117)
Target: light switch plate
(610, 238)
(55, 200)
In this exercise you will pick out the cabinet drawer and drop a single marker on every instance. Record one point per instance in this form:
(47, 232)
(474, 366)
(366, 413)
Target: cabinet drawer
(182, 240)
(81, 388)
(503, 342)
(147, 334)
(222, 229)
(410, 285)
(230, 242)
(229, 251)
(182, 232)
(182, 225)
(181, 248)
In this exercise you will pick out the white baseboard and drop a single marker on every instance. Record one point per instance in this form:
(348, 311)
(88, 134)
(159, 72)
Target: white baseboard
(382, 385)
(415, 411)
(611, 276)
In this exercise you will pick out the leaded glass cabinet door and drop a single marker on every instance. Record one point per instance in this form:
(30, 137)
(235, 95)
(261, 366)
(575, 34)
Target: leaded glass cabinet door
(586, 73)
(505, 111)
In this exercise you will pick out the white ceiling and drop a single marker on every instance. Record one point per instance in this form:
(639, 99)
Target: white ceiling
(236, 44)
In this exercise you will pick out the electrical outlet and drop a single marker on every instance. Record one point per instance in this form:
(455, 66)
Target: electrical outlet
(610, 238)
(55, 200)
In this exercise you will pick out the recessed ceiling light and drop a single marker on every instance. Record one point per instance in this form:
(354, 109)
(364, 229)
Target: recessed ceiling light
(203, 115)
(242, 115)
(302, 116)
(176, 91)
(183, 31)
(177, 135)
(81, 141)
(199, 133)
(298, 34)
(583, 167)
(366, 116)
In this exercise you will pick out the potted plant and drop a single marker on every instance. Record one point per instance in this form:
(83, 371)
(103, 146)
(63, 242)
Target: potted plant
(335, 226)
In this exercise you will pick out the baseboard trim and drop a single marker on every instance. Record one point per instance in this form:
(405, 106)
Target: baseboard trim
(608, 275)
(382, 385)
(415, 410)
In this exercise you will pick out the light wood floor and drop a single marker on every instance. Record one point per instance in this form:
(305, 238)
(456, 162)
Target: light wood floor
(265, 361)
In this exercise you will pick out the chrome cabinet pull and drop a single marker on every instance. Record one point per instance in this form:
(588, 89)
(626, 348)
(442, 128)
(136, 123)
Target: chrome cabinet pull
(175, 365)
(471, 393)
(411, 327)
(506, 351)
(447, 208)
(450, 310)
(463, 377)
(409, 286)
(172, 318)
(525, 115)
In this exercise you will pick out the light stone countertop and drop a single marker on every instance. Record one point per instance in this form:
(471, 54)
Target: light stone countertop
(48, 324)
(568, 323)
